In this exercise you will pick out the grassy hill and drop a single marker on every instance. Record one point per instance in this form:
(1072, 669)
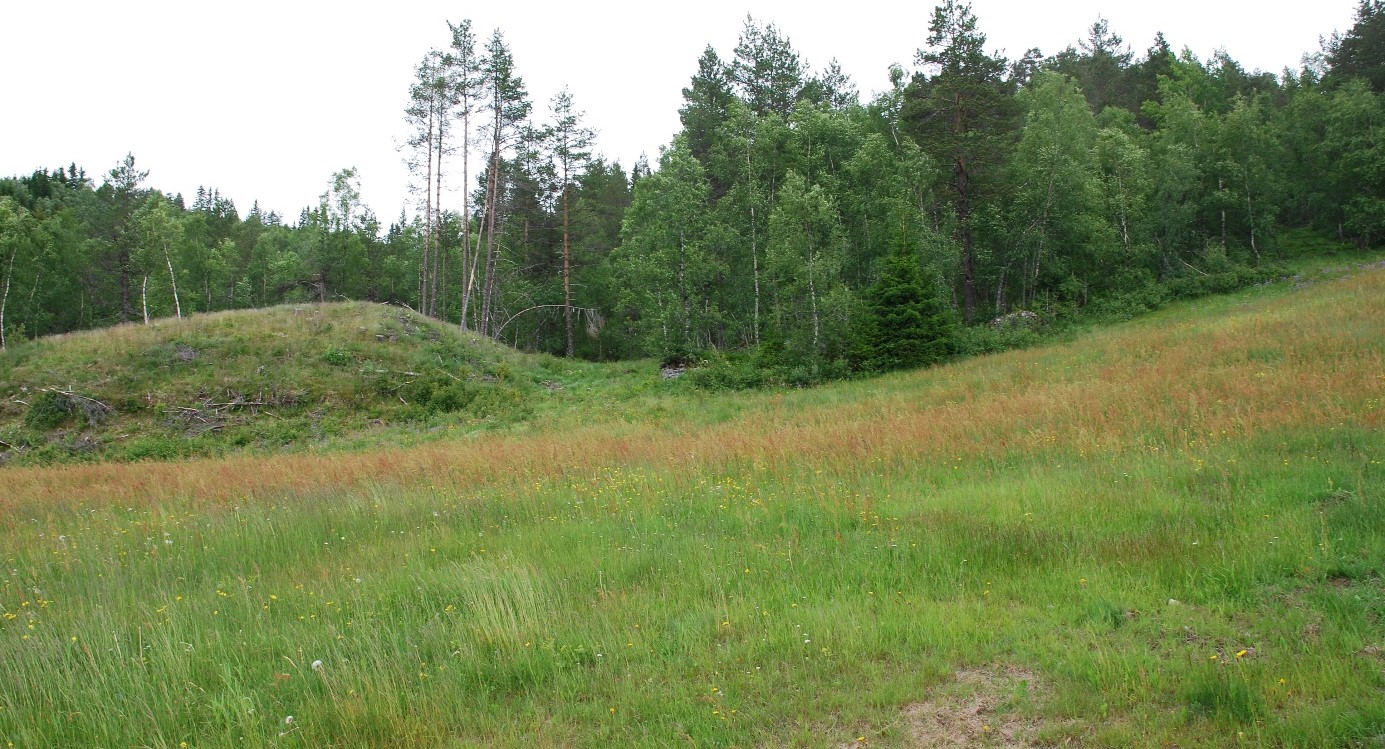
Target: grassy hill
(1165, 532)
(287, 378)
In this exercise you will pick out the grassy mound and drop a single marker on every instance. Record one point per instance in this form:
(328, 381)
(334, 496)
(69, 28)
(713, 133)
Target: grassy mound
(291, 377)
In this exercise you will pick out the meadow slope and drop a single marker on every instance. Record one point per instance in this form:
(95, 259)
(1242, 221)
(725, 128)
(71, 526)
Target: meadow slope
(1167, 532)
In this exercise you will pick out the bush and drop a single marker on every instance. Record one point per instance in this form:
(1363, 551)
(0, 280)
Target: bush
(337, 357)
(49, 410)
(723, 374)
(1192, 287)
(986, 339)
(433, 394)
(155, 448)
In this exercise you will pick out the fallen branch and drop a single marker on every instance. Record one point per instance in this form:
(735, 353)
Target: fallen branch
(92, 409)
(1185, 262)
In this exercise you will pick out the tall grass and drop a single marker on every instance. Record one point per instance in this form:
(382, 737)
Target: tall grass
(1176, 525)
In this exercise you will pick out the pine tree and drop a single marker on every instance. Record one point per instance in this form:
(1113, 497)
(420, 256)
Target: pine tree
(1360, 53)
(509, 108)
(767, 71)
(569, 140)
(961, 114)
(467, 82)
(125, 180)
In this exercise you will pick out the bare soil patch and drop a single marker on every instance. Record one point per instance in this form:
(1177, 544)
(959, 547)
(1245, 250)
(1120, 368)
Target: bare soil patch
(982, 707)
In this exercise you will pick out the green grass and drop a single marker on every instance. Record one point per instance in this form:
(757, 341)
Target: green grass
(763, 606)
(291, 378)
(1172, 530)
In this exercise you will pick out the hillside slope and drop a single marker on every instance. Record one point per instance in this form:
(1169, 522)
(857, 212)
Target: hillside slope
(289, 377)
(1169, 532)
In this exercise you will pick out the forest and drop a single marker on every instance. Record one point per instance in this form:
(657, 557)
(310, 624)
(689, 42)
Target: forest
(790, 225)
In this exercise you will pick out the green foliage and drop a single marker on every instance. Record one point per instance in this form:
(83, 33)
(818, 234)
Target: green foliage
(664, 260)
(729, 373)
(811, 310)
(49, 410)
(1360, 52)
(905, 325)
(438, 393)
(337, 357)
(1093, 182)
(978, 340)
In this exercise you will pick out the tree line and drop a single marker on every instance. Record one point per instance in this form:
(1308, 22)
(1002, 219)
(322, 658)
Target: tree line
(787, 218)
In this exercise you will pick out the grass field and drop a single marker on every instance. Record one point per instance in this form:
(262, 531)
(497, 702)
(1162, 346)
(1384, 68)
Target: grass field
(1169, 532)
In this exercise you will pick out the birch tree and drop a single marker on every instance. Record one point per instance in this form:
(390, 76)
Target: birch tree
(12, 216)
(160, 229)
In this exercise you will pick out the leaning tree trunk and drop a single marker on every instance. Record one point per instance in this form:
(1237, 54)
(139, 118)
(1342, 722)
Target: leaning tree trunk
(173, 280)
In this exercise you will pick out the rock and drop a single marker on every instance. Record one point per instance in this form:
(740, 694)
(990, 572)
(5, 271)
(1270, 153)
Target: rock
(1022, 319)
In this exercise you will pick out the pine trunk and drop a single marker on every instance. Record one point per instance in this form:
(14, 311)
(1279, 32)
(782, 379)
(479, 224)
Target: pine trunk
(437, 225)
(427, 221)
(488, 282)
(567, 271)
(968, 248)
(466, 210)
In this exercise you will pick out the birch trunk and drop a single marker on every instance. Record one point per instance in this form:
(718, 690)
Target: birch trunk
(172, 279)
(1250, 216)
(813, 300)
(5, 298)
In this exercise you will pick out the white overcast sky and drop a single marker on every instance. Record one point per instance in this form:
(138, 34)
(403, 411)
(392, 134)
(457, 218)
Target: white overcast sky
(264, 100)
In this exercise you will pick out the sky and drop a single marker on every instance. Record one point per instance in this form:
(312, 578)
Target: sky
(266, 100)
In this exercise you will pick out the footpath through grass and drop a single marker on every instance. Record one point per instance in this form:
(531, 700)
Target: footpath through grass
(1168, 532)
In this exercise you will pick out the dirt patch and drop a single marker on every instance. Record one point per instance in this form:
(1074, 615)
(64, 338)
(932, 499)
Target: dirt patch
(980, 707)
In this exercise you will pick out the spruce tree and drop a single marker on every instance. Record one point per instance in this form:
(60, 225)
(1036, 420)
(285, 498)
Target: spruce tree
(906, 324)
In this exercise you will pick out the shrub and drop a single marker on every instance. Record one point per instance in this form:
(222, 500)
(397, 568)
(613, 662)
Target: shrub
(49, 410)
(337, 357)
(722, 374)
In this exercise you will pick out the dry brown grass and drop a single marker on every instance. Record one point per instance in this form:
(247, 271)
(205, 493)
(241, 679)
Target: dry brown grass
(973, 711)
(1307, 358)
